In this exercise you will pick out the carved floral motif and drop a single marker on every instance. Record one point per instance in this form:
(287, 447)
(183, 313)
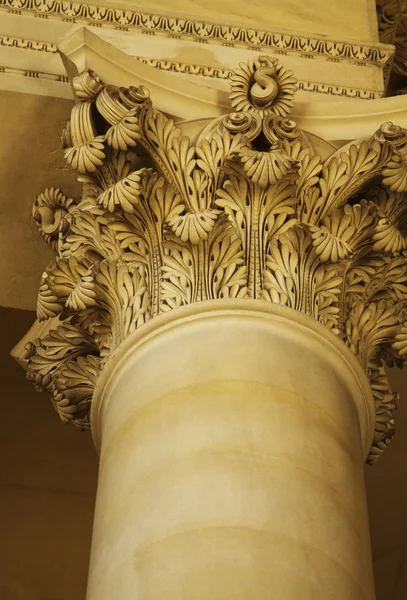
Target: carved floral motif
(249, 211)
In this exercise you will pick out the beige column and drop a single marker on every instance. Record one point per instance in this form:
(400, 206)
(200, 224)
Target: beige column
(218, 314)
(232, 436)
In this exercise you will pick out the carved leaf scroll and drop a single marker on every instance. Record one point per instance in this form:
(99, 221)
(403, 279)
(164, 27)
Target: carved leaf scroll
(74, 384)
(248, 210)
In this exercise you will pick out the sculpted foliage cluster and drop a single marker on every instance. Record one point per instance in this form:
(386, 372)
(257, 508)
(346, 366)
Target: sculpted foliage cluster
(249, 210)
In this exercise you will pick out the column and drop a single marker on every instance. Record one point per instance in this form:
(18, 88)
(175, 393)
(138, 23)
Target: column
(219, 315)
(232, 438)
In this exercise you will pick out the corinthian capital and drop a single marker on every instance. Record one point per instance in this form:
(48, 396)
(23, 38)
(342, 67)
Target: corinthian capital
(248, 209)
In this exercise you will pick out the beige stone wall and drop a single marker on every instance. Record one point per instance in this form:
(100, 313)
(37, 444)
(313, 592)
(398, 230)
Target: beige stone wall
(30, 160)
(47, 488)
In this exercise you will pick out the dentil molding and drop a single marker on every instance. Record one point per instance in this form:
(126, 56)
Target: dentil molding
(248, 210)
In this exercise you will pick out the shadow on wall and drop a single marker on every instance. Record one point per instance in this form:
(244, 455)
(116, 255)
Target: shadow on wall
(48, 476)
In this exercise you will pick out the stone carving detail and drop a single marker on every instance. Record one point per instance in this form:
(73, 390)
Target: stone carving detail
(178, 67)
(388, 16)
(231, 35)
(400, 41)
(219, 73)
(262, 86)
(392, 21)
(248, 211)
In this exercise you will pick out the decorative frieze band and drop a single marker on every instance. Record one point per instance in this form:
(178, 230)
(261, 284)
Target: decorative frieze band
(248, 211)
(173, 66)
(219, 73)
(24, 44)
(31, 45)
(201, 31)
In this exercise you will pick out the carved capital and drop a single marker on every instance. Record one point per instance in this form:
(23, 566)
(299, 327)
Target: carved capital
(392, 22)
(388, 18)
(249, 210)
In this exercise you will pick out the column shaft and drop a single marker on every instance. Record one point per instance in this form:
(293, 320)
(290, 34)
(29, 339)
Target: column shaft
(232, 440)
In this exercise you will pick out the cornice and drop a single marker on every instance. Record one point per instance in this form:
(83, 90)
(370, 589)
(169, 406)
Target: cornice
(171, 66)
(37, 80)
(219, 73)
(331, 120)
(27, 44)
(203, 31)
(34, 74)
